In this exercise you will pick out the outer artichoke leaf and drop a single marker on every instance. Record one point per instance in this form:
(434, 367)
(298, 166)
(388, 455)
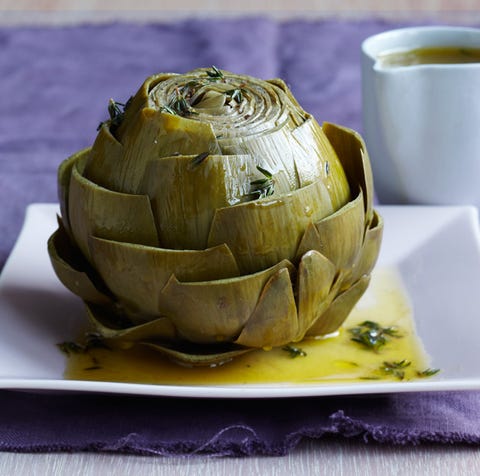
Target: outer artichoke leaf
(63, 178)
(136, 274)
(311, 139)
(214, 311)
(140, 100)
(94, 210)
(72, 269)
(316, 274)
(339, 236)
(262, 232)
(201, 359)
(105, 156)
(106, 324)
(368, 255)
(339, 309)
(214, 182)
(274, 321)
(352, 152)
(156, 134)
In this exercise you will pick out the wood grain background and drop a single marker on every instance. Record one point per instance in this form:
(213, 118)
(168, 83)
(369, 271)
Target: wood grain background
(68, 11)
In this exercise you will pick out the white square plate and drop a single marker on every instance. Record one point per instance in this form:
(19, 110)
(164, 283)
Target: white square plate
(436, 251)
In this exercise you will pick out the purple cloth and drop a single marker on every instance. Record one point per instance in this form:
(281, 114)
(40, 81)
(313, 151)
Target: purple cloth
(55, 85)
(167, 426)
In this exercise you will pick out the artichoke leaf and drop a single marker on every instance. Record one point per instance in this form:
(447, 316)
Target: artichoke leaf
(316, 274)
(339, 309)
(105, 156)
(311, 139)
(274, 321)
(199, 359)
(73, 271)
(156, 134)
(214, 311)
(262, 232)
(339, 236)
(140, 100)
(353, 155)
(63, 179)
(368, 255)
(103, 320)
(94, 210)
(215, 182)
(136, 274)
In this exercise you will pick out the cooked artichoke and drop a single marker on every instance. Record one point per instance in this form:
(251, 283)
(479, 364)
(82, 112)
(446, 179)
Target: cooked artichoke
(213, 216)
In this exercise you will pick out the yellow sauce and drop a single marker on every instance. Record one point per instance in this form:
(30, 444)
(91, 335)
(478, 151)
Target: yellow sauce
(431, 55)
(328, 360)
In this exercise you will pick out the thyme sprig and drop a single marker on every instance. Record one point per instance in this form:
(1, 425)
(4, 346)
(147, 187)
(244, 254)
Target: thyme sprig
(294, 351)
(116, 111)
(427, 372)
(198, 159)
(235, 95)
(92, 341)
(396, 369)
(372, 335)
(215, 74)
(180, 105)
(263, 187)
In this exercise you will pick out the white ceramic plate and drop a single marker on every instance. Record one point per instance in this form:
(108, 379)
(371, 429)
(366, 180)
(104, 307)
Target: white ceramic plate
(436, 251)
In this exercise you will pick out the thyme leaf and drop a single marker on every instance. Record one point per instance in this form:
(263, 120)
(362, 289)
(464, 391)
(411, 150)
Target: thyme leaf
(263, 187)
(215, 74)
(197, 160)
(396, 369)
(235, 95)
(92, 341)
(116, 111)
(372, 335)
(69, 348)
(427, 372)
(294, 351)
(168, 110)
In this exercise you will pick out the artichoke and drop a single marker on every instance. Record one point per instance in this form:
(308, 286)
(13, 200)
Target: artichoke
(213, 216)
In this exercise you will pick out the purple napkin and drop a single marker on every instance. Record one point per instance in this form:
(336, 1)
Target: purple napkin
(168, 426)
(56, 83)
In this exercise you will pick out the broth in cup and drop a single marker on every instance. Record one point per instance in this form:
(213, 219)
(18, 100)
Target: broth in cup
(430, 55)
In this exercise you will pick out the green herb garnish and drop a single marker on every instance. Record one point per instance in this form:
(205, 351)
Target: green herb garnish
(395, 369)
(263, 187)
(197, 160)
(180, 105)
(71, 348)
(215, 74)
(168, 110)
(116, 111)
(235, 95)
(427, 372)
(92, 341)
(373, 336)
(294, 351)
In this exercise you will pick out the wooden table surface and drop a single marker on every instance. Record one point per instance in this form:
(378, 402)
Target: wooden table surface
(328, 457)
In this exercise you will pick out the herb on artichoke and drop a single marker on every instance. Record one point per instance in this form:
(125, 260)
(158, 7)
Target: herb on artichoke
(161, 238)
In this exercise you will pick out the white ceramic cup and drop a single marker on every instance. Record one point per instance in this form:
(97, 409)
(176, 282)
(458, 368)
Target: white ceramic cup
(422, 123)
